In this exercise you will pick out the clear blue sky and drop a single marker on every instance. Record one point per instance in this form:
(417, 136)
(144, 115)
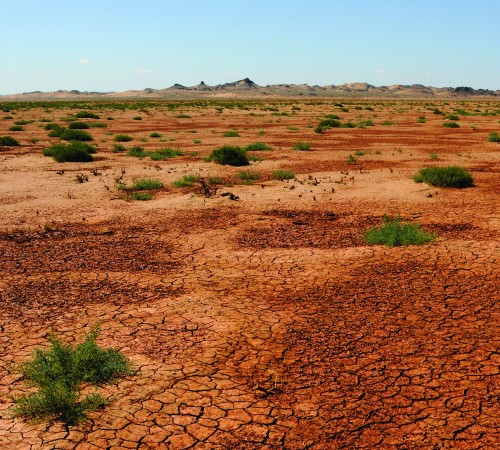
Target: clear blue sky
(115, 45)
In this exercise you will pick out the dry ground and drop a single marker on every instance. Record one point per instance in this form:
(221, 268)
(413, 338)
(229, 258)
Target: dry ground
(263, 323)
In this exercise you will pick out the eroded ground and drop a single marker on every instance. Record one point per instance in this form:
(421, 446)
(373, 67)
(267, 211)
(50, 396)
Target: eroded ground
(267, 322)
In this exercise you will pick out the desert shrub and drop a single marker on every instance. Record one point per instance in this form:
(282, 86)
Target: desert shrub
(421, 119)
(332, 116)
(118, 148)
(451, 125)
(283, 174)
(183, 116)
(231, 155)
(388, 123)
(73, 152)
(449, 176)
(394, 233)
(9, 141)
(142, 196)
(97, 125)
(145, 184)
(302, 146)
(257, 147)
(137, 152)
(494, 137)
(437, 111)
(137, 118)
(23, 122)
(86, 115)
(452, 117)
(58, 373)
(348, 124)
(16, 128)
(165, 153)
(351, 159)
(330, 123)
(434, 156)
(231, 134)
(249, 175)
(155, 134)
(366, 123)
(360, 153)
(75, 135)
(78, 126)
(186, 181)
(123, 138)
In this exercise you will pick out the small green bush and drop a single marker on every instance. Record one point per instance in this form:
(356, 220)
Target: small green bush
(494, 137)
(186, 181)
(257, 147)
(183, 116)
(137, 152)
(231, 134)
(78, 126)
(123, 138)
(449, 176)
(351, 159)
(97, 125)
(249, 175)
(451, 125)
(58, 373)
(137, 118)
(394, 233)
(145, 184)
(9, 141)
(142, 196)
(231, 155)
(118, 148)
(165, 153)
(302, 146)
(155, 134)
(16, 128)
(437, 111)
(73, 152)
(86, 115)
(283, 174)
(75, 135)
(452, 117)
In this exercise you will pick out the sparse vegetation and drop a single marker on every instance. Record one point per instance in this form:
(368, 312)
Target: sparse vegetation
(451, 125)
(302, 146)
(86, 115)
(229, 155)
(494, 137)
(283, 174)
(449, 176)
(16, 128)
(58, 373)
(9, 141)
(164, 153)
(73, 152)
(231, 134)
(123, 138)
(146, 184)
(78, 126)
(257, 147)
(186, 181)
(155, 134)
(351, 159)
(75, 135)
(393, 233)
(137, 152)
(249, 175)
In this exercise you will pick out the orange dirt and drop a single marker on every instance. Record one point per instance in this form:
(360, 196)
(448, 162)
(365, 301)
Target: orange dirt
(267, 322)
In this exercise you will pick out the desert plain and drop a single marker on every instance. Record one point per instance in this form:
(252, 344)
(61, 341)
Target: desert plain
(253, 311)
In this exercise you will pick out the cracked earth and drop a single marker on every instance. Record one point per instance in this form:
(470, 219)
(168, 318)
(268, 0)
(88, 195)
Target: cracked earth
(265, 323)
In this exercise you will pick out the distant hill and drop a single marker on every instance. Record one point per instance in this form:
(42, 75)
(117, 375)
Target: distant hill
(246, 88)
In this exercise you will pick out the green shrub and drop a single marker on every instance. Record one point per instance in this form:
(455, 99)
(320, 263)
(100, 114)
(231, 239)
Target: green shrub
(437, 111)
(388, 123)
(302, 146)
(145, 184)
(118, 148)
(137, 118)
(155, 134)
(394, 233)
(23, 122)
(231, 134)
(449, 176)
(123, 138)
(249, 175)
(165, 153)
(451, 125)
(366, 123)
(283, 174)
(86, 115)
(494, 137)
(142, 196)
(58, 373)
(257, 147)
(97, 125)
(452, 117)
(434, 156)
(75, 135)
(73, 152)
(137, 152)
(78, 126)
(9, 141)
(229, 155)
(186, 181)
(183, 116)
(351, 159)
(16, 128)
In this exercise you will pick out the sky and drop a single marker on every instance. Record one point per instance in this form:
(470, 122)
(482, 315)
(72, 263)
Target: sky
(117, 45)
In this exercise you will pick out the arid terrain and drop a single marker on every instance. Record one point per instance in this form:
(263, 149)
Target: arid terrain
(260, 319)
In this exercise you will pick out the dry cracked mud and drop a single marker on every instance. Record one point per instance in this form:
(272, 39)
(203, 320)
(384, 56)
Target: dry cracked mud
(264, 323)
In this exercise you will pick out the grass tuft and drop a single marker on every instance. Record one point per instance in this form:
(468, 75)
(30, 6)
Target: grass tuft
(75, 151)
(283, 174)
(449, 176)
(231, 155)
(394, 233)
